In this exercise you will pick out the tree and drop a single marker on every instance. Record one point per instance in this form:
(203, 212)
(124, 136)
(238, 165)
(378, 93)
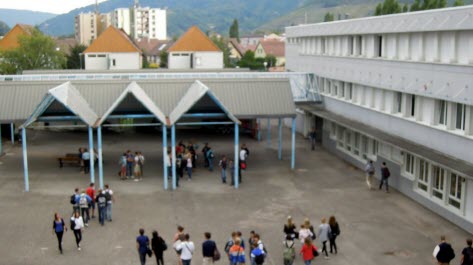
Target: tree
(249, 61)
(271, 60)
(458, 3)
(234, 31)
(222, 45)
(388, 7)
(405, 8)
(329, 17)
(75, 59)
(35, 51)
(163, 59)
(4, 28)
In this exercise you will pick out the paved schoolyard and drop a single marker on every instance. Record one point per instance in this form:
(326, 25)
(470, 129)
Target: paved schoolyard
(376, 228)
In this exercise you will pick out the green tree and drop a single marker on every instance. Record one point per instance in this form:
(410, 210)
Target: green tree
(249, 61)
(442, 4)
(416, 6)
(388, 7)
(163, 59)
(4, 28)
(329, 17)
(270, 60)
(234, 31)
(75, 59)
(222, 45)
(458, 3)
(35, 51)
(405, 8)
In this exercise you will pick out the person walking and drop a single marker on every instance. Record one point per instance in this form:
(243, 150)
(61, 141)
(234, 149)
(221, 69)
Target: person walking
(110, 199)
(91, 192)
(310, 227)
(86, 159)
(141, 163)
(385, 174)
(129, 164)
(243, 164)
(312, 138)
(84, 202)
(467, 254)
(178, 238)
(158, 245)
(304, 233)
(223, 166)
(101, 200)
(142, 246)
(237, 253)
(289, 253)
(210, 158)
(369, 170)
(122, 162)
(307, 251)
(443, 252)
(290, 228)
(187, 250)
(323, 234)
(189, 167)
(75, 201)
(209, 249)
(59, 228)
(257, 255)
(204, 154)
(137, 167)
(335, 231)
(77, 225)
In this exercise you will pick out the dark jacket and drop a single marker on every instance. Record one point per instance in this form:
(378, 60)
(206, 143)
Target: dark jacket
(446, 253)
(385, 172)
(158, 245)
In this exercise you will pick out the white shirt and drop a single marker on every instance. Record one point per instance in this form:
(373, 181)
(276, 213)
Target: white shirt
(189, 162)
(436, 251)
(79, 222)
(168, 161)
(187, 249)
(243, 154)
(304, 233)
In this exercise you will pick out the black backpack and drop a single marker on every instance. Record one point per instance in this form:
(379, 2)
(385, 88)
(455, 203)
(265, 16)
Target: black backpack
(259, 259)
(73, 199)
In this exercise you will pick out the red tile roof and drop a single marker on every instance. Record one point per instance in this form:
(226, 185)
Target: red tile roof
(10, 40)
(113, 40)
(194, 40)
(274, 47)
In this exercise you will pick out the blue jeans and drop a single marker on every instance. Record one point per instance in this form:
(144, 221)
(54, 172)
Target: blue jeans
(143, 258)
(307, 262)
(224, 175)
(186, 261)
(189, 172)
(211, 164)
(129, 169)
(102, 211)
(109, 212)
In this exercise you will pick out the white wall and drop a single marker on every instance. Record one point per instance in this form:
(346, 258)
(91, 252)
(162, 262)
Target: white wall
(96, 63)
(208, 60)
(178, 60)
(469, 199)
(127, 60)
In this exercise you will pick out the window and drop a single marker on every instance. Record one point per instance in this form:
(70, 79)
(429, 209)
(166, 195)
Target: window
(342, 90)
(356, 144)
(455, 195)
(348, 140)
(340, 133)
(398, 102)
(322, 46)
(460, 117)
(438, 182)
(364, 147)
(423, 179)
(409, 164)
(349, 91)
(114, 62)
(413, 106)
(379, 49)
(333, 130)
(442, 112)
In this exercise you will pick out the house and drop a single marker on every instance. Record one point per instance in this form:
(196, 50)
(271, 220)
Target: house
(10, 40)
(250, 40)
(271, 47)
(236, 50)
(152, 48)
(194, 50)
(65, 44)
(113, 49)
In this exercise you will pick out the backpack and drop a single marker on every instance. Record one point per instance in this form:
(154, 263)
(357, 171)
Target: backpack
(73, 223)
(228, 245)
(101, 201)
(83, 203)
(73, 199)
(289, 253)
(108, 197)
(259, 259)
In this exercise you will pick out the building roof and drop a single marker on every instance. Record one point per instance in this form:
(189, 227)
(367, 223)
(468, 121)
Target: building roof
(194, 40)
(234, 43)
(10, 40)
(152, 46)
(273, 47)
(112, 40)
(243, 98)
(66, 44)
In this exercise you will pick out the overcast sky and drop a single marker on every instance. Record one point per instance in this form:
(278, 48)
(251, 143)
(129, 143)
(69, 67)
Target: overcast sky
(51, 6)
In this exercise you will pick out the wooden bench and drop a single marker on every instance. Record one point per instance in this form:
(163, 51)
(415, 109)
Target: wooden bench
(72, 159)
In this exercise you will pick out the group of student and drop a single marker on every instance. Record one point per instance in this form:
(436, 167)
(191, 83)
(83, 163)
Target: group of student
(82, 203)
(131, 165)
(444, 253)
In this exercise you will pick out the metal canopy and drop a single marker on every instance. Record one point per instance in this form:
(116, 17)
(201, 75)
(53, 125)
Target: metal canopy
(70, 98)
(196, 92)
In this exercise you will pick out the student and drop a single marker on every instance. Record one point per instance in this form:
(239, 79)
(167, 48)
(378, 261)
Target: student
(369, 170)
(123, 169)
(101, 200)
(257, 255)
(289, 253)
(159, 246)
(137, 167)
(142, 246)
(290, 228)
(209, 249)
(129, 164)
(323, 233)
(86, 159)
(91, 192)
(110, 199)
(335, 231)
(84, 202)
(204, 154)
(443, 252)
(189, 166)
(223, 165)
(304, 233)
(187, 250)
(77, 225)
(210, 158)
(237, 253)
(467, 254)
(59, 228)
(307, 251)
(385, 174)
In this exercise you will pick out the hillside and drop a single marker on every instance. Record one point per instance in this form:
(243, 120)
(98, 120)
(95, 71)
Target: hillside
(13, 16)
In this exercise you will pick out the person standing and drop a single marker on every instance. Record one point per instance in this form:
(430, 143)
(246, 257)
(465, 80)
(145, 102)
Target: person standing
(289, 253)
(189, 166)
(204, 154)
(101, 200)
(257, 255)
(129, 164)
(242, 165)
(141, 163)
(290, 228)
(223, 166)
(84, 201)
(210, 158)
(312, 138)
(385, 174)
(237, 253)
(323, 233)
(91, 192)
(209, 249)
(304, 233)
(335, 231)
(86, 159)
(59, 228)
(443, 252)
(75, 201)
(307, 251)
(369, 170)
(467, 254)
(110, 199)
(142, 246)
(158, 245)
(137, 167)
(187, 250)
(77, 225)
(123, 163)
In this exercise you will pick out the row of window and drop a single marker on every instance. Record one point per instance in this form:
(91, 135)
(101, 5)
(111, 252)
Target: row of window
(354, 143)
(443, 47)
(445, 115)
(439, 183)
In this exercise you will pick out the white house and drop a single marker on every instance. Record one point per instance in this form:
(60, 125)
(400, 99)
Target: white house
(397, 89)
(194, 50)
(113, 49)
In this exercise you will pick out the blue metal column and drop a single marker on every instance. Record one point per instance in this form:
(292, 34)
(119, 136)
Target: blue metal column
(99, 146)
(293, 154)
(237, 160)
(91, 152)
(269, 132)
(25, 160)
(280, 139)
(173, 157)
(258, 122)
(165, 153)
(12, 133)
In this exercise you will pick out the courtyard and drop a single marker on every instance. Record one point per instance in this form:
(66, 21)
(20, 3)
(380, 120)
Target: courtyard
(376, 228)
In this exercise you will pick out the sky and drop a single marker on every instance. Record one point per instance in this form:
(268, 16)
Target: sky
(51, 6)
